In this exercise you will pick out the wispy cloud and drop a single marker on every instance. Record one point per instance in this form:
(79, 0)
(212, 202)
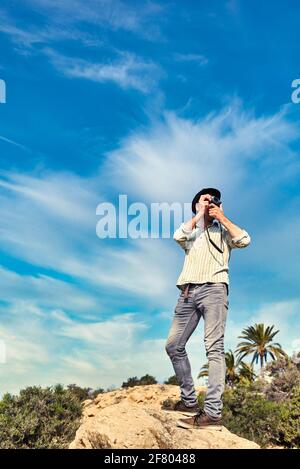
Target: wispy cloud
(58, 348)
(115, 14)
(66, 20)
(198, 59)
(117, 329)
(44, 292)
(28, 38)
(127, 70)
(220, 148)
(36, 210)
(282, 314)
(48, 219)
(12, 142)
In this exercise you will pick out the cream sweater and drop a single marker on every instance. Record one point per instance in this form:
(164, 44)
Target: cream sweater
(203, 262)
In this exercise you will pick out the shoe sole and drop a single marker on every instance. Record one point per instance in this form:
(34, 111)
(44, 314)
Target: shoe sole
(204, 427)
(182, 412)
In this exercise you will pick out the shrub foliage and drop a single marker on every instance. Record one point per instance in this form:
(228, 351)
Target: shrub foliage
(39, 418)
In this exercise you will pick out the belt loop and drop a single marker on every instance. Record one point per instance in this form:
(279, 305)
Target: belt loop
(186, 293)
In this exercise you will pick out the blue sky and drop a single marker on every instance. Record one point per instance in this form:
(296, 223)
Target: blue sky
(154, 100)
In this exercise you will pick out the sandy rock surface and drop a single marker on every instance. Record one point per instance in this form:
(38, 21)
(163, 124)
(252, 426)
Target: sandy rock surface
(133, 418)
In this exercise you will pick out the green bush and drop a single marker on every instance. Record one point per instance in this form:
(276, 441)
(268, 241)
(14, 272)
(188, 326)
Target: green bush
(267, 413)
(84, 393)
(249, 414)
(285, 379)
(134, 381)
(39, 418)
(172, 380)
(289, 425)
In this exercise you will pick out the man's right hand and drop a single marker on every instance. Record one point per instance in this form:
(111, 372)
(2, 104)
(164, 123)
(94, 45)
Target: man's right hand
(204, 201)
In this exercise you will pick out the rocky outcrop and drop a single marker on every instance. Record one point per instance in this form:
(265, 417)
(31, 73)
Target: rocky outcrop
(133, 418)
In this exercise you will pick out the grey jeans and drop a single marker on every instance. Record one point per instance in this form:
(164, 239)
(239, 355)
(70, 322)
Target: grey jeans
(209, 300)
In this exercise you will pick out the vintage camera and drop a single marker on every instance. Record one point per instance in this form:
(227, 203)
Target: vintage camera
(214, 200)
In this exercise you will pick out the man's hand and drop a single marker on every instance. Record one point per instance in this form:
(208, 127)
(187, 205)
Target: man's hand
(216, 212)
(202, 204)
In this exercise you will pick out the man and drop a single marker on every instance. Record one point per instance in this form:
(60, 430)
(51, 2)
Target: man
(207, 240)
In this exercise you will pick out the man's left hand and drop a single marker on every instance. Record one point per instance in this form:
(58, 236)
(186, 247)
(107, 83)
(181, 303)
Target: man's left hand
(216, 212)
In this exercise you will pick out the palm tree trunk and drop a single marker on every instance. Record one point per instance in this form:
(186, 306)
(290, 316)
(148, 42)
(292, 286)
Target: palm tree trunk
(262, 373)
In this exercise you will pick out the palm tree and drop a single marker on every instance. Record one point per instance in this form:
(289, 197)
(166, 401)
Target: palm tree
(246, 373)
(231, 368)
(203, 372)
(258, 341)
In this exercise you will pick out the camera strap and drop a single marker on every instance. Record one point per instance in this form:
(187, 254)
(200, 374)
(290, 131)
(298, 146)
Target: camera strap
(213, 243)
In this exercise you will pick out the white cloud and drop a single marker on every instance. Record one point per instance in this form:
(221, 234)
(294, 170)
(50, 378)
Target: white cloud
(282, 314)
(49, 220)
(58, 348)
(127, 70)
(118, 329)
(169, 163)
(65, 20)
(44, 291)
(63, 195)
(36, 211)
(175, 156)
(81, 366)
(28, 38)
(113, 14)
(189, 57)
(12, 142)
(97, 354)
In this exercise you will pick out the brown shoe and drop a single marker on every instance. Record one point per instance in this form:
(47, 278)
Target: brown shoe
(179, 406)
(201, 421)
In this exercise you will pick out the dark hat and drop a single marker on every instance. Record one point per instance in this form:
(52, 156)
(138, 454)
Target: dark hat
(210, 191)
